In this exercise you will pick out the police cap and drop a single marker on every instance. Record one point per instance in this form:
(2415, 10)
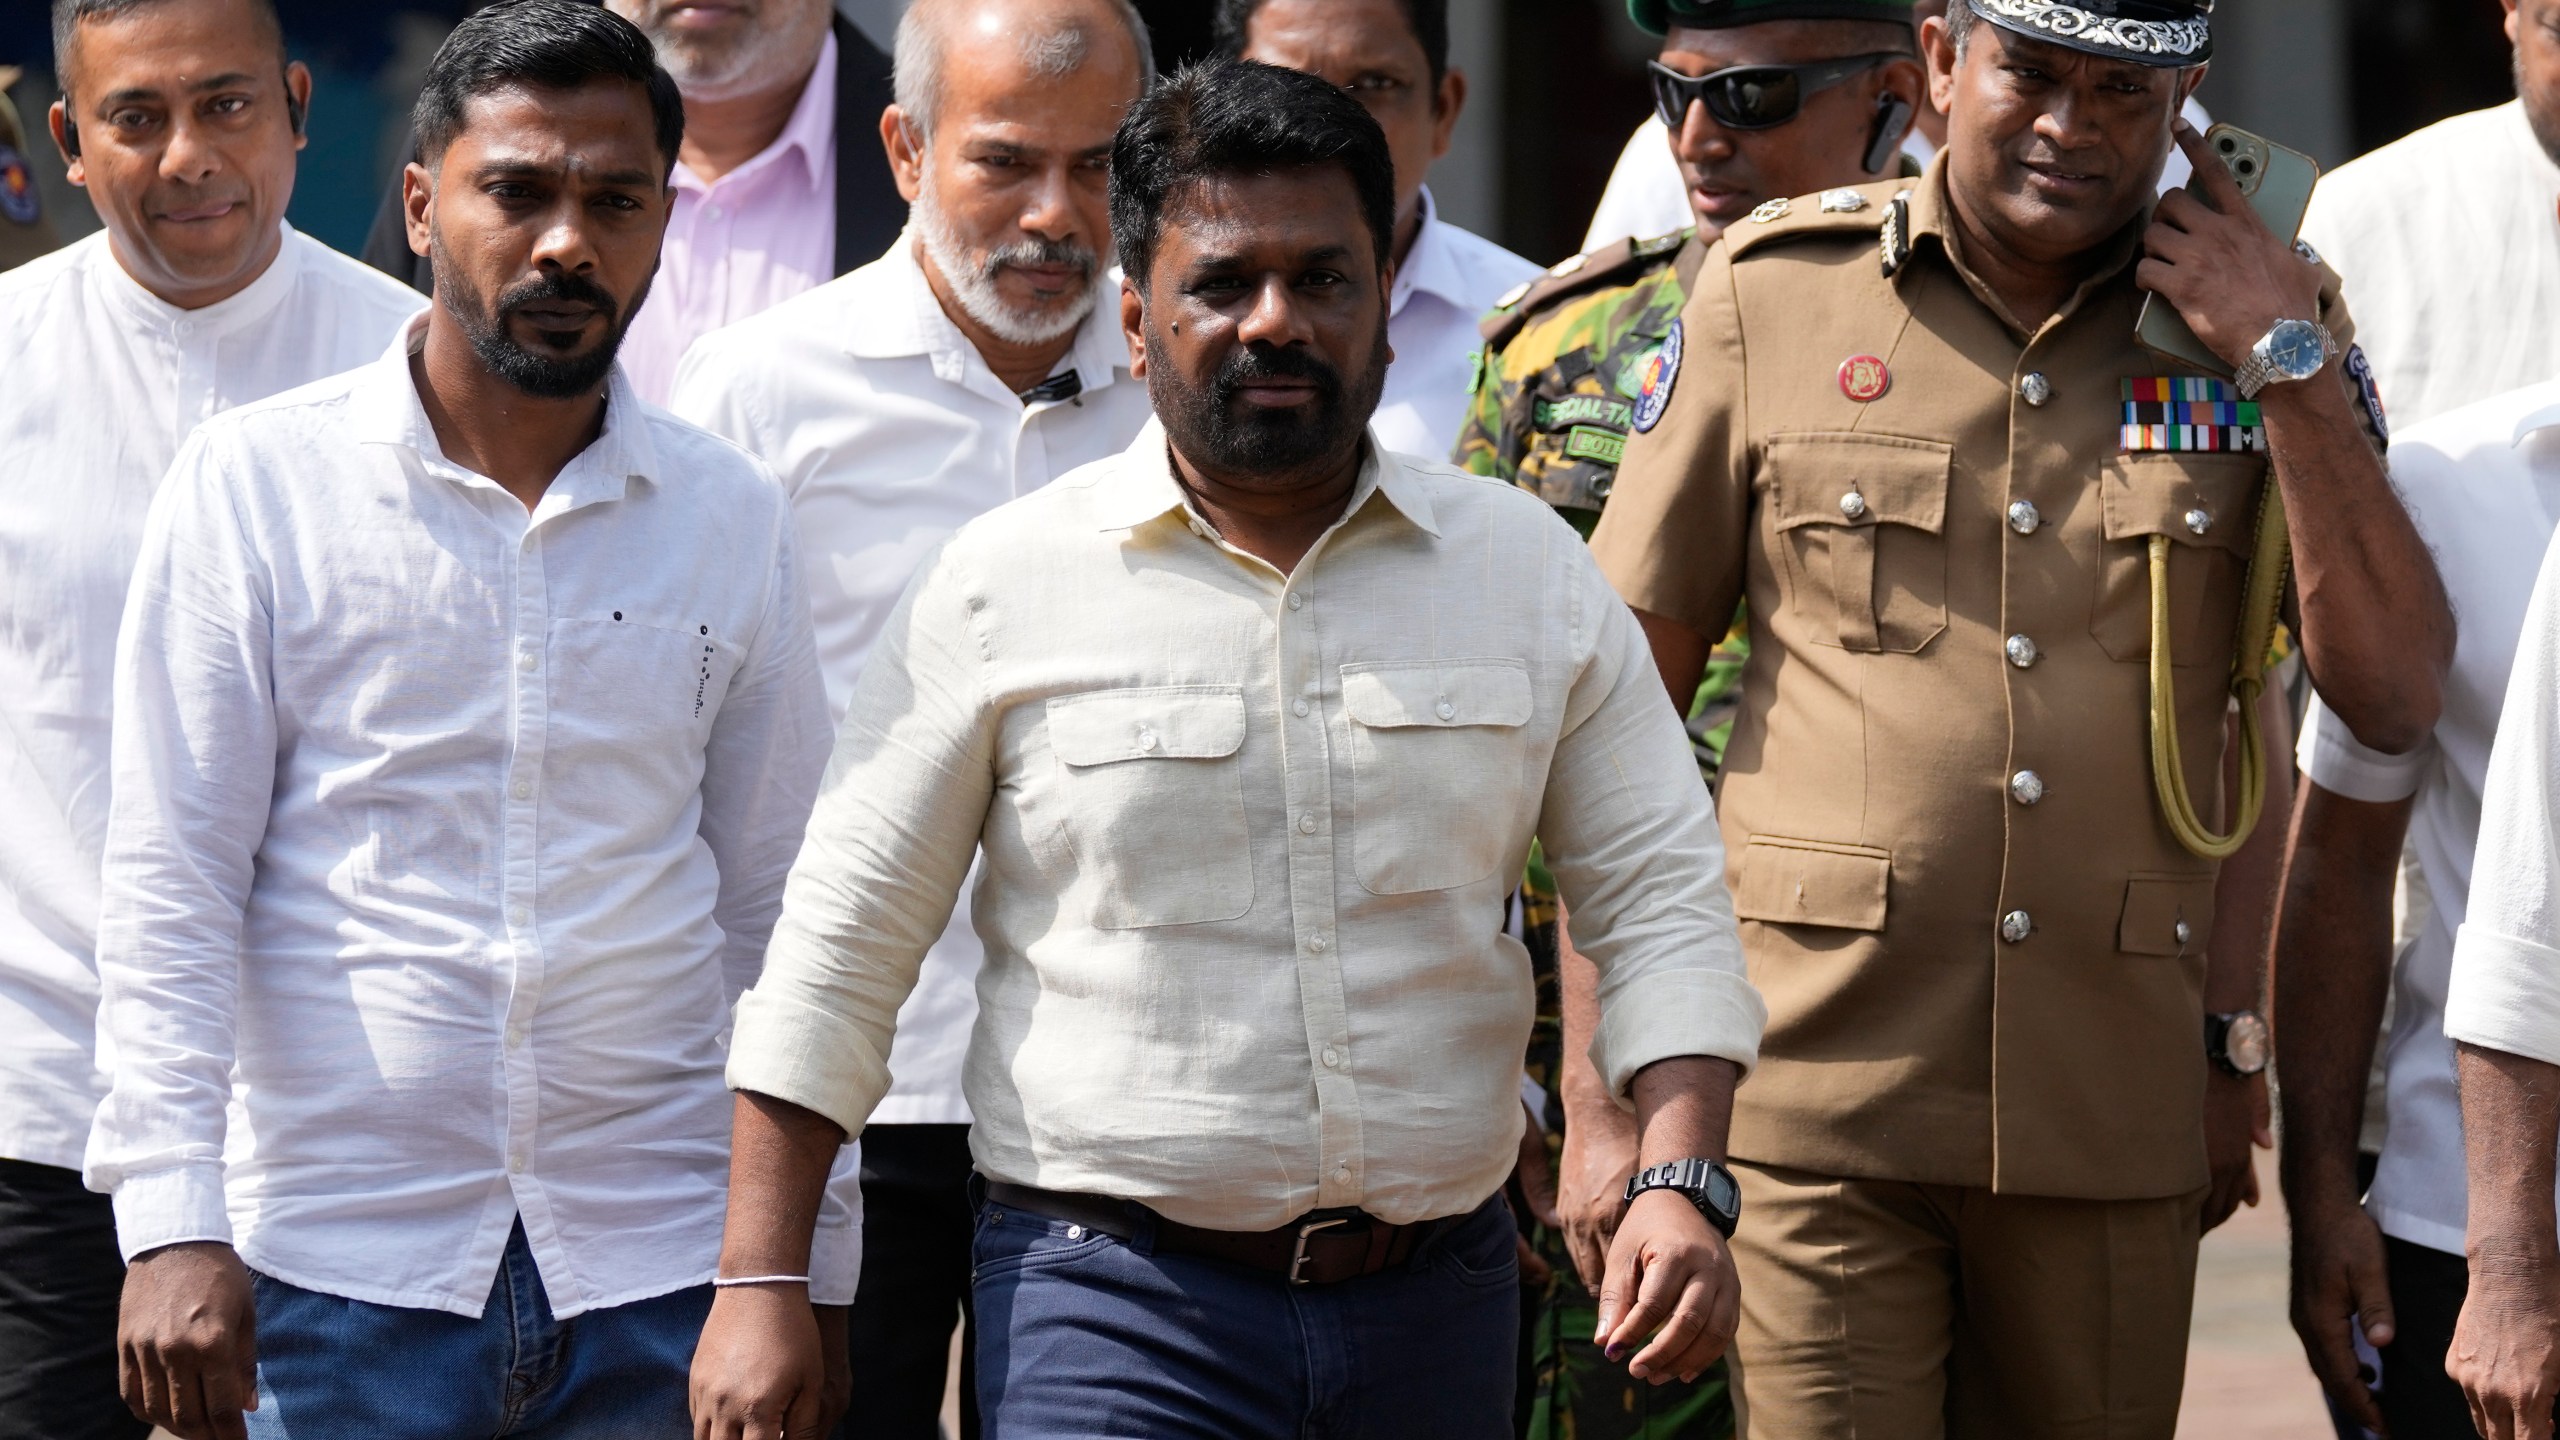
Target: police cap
(1658, 16)
(2147, 32)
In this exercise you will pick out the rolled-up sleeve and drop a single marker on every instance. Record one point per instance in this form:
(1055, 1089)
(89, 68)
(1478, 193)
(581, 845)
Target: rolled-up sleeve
(2505, 989)
(193, 766)
(2336, 761)
(897, 822)
(1630, 835)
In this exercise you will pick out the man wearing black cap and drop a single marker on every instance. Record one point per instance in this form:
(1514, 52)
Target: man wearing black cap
(1996, 553)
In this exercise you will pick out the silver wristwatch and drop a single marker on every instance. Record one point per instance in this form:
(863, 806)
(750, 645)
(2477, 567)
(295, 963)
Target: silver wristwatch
(2290, 350)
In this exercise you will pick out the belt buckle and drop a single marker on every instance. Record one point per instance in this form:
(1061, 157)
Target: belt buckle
(1299, 1257)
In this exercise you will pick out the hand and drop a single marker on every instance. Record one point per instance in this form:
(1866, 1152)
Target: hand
(1599, 1160)
(1668, 1271)
(2339, 1284)
(2506, 1347)
(187, 1341)
(760, 1371)
(2230, 276)
(1537, 1182)
(835, 1347)
(2236, 1122)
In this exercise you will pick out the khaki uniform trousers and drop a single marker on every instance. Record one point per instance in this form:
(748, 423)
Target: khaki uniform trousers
(1882, 1310)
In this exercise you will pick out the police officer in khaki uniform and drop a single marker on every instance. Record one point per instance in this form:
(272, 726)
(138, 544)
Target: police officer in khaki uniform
(1914, 427)
(24, 232)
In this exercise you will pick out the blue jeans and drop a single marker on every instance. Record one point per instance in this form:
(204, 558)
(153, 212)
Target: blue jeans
(1085, 1335)
(330, 1368)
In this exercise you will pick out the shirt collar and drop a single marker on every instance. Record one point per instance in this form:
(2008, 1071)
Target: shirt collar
(2540, 418)
(1139, 486)
(255, 302)
(902, 317)
(809, 135)
(1431, 266)
(386, 410)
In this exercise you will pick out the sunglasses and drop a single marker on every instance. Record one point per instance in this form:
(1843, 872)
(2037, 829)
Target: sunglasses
(1752, 97)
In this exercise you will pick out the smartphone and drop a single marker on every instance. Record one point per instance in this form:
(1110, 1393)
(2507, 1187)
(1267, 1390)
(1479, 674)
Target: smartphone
(2277, 182)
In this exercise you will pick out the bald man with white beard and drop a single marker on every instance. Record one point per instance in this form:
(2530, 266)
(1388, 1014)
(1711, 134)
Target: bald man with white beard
(965, 367)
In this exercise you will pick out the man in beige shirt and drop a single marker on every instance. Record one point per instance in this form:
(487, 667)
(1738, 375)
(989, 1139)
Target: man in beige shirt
(1253, 725)
(1912, 424)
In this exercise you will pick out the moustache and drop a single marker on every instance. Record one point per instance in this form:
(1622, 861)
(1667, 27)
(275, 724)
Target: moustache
(1249, 364)
(560, 288)
(1045, 253)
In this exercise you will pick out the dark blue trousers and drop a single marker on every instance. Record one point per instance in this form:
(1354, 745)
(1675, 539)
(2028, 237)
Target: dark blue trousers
(1082, 1335)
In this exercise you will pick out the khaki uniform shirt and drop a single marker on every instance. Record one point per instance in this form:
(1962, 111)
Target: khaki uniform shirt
(1898, 782)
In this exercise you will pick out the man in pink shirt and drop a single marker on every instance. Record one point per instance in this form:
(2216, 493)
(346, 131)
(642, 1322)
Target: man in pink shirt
(767, 202)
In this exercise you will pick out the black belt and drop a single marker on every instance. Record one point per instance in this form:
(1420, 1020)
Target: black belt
(1321, 1247)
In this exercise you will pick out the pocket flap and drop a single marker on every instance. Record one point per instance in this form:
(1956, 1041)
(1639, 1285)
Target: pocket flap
(1897, 481)
(1437, 692)
(1813, 882)
(2167, 493)
(2156, 905)
(1167, 722)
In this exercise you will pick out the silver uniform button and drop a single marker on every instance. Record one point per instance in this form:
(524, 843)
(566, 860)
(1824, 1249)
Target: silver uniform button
(2026, 787)
(2034, 388)
(2199, 520)
(2016, 926)
(2185, 932)
(1853, 504)
(2024, 517)
(2022, 651)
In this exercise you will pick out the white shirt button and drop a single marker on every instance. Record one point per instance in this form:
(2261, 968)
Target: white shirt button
(2022, 651)
(526, 662)
(713, 211)
(1342, 1172)
(1318, 944)
(1297, 601)
(1307, 822)
(1332, 1058)
(515, 1164)
(1147, 739)
(517, 915)
(1301, 708)
(1444, 709)
(524, 790)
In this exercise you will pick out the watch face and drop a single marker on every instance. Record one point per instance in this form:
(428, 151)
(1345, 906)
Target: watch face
(2293, 347)
(1723, 1193)
(2246, 1043)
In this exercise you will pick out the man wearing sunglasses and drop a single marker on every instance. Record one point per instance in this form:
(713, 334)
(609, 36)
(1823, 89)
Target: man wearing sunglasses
(1995, 552)
(1765, 99)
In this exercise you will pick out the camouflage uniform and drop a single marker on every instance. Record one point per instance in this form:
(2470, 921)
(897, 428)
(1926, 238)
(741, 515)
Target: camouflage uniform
(1553, 404)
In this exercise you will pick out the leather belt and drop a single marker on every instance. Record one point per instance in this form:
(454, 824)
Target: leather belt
(1321, 1247)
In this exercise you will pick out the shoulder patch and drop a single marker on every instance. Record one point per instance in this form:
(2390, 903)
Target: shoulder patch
(1653, 391)
(1621, 263)
(2360, 370)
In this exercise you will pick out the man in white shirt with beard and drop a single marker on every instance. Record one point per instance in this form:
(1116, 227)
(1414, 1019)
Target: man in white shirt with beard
(182, 122)
(965, 367)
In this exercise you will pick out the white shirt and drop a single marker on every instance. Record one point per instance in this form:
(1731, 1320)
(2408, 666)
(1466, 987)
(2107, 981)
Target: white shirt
(1246, 839)
(738, 245)
(889, 433)
(1448, 280)
(1646, 197)
(2483, 485)
(102, 380)
(443, 834)
(2449, 243)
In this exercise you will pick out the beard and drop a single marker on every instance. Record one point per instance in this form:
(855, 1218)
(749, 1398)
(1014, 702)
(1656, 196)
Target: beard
(972, 275)
(544, 369)
(1218, 432)
(2541, 109)
(776, 45)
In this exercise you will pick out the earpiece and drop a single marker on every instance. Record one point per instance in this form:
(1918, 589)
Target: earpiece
(1893, 121)
(70, 130)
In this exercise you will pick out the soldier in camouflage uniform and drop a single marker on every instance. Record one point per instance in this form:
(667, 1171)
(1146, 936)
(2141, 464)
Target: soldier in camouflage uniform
(1557, 385)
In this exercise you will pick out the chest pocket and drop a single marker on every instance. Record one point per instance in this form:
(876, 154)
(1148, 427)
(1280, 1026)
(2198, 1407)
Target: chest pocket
(647, 686)
(1153, 802)
(1438, 751)
(2208, 507)
(1861, 522)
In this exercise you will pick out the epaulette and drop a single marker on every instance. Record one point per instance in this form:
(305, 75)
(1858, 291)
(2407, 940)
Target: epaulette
(1862, 210)
(1616, 264)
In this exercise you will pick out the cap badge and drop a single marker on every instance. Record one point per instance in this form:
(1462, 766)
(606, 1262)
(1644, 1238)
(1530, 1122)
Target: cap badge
(1842, 202)
(1653, 391)
(1864, 378)
(1771, 210)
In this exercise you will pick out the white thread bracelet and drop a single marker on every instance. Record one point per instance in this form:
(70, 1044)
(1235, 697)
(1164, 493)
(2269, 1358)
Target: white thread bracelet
(723, 1282)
